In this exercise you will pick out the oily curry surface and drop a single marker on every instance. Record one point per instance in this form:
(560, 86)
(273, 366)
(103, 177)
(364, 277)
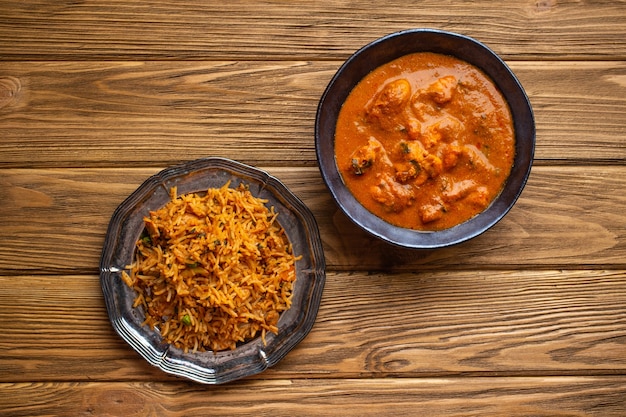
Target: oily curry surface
(425, 142)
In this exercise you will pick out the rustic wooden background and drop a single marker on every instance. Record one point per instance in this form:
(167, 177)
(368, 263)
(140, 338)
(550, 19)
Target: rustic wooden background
(527, 319)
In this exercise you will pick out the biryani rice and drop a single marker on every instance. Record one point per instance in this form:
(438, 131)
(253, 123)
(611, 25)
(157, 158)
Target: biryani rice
(212, 270)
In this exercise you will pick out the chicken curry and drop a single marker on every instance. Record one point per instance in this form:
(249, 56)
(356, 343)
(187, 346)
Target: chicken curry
(425, 142)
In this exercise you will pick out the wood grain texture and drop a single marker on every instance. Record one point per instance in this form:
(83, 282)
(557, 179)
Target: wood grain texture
(423, 324)
(113, 114)
(547, 29)
(55, 221)
(513, 397)
(528, 319)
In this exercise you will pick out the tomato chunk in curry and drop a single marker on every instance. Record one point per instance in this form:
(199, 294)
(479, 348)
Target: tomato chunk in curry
(425, 142)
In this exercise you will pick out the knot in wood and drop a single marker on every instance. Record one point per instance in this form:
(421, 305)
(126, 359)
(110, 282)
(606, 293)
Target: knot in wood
(9, 89)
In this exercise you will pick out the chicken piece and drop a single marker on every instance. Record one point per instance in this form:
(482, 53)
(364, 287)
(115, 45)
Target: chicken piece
(389, 104)
(441, 91)
(408, 168)
(367, 155)
(413, 129)
(417, 163)
(412, 151)
(458, 190)
(152, 229)
(468, 191)
(432, 165)
(393, 96)
(426, 103)
(431, 212)
(477, 158)
(450, 155)
(446, 128)
(406, 171)
(391, 194)
(431, 137)
(479, 198)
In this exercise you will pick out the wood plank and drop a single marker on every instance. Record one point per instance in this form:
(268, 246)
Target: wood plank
(113, 114)
(547, 396)
(55, 221)
(501, 323)
(89, 30)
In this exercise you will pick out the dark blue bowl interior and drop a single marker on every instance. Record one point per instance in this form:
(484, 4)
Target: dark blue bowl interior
(387, 49)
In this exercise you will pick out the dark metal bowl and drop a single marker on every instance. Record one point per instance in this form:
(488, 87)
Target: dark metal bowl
(387, 49)
(248, 358)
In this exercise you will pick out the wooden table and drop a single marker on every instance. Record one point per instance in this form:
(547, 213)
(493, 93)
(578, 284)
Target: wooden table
(527, 319)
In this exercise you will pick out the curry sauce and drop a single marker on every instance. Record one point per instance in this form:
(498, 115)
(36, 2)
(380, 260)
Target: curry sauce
(425, 142)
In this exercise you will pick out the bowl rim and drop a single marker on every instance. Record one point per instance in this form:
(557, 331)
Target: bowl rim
(378, 52)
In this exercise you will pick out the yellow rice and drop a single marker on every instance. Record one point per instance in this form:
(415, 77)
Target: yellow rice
(212, 270)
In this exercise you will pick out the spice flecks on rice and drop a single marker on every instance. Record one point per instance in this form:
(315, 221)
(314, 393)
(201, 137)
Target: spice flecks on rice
(212, 270)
